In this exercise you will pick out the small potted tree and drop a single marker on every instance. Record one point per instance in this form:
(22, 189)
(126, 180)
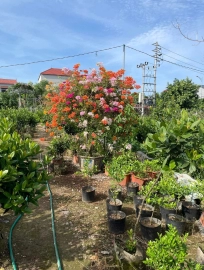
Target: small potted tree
(88, 191)
(115, 195)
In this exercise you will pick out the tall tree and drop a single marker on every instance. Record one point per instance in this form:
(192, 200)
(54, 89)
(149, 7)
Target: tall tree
(181, 92)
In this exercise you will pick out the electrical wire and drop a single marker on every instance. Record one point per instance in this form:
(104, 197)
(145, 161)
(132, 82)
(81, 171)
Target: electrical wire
(59, 58)
(181, 61)
(193, 69)
(139, 51)
(181, 55)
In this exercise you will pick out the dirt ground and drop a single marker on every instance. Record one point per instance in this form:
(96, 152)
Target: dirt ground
(82, 235)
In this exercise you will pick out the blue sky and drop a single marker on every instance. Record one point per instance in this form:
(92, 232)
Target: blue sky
(33, 30)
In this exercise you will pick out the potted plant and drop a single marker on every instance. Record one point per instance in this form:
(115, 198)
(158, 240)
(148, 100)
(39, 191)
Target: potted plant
(120, 167)
(88, 191)
(116, 222)
(114, 202)
(100, 103)
(57, 147)
(129, 249)
(169, 252)
(152, 167)
(132, 189)
(167, 194)
(140, 175)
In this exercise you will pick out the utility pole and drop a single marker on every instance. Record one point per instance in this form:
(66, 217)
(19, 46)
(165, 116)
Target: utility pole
(141, 98)
(148, 95)
(124, 60)
(157, 55)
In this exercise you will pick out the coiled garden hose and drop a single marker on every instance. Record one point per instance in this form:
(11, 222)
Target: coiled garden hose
(59, 264)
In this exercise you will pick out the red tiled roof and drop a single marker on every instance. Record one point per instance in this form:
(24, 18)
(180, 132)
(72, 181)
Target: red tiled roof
(53, 71)
(8, 81)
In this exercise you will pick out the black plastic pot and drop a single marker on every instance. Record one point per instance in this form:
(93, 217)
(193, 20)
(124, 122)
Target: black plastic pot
(146, 211)
(150, 227)
(111, 194)
(165, 211)
(132, 188)
(137, 199)
(113, 205)
(116, 222)
(191, 210)
(88, 194)
(179, 222)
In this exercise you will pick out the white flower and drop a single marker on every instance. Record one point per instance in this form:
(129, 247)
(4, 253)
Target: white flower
(83, 146)
(84, 124)
(95, 89)
(90, 114)
(109, 121)
(128, 146)
(85, 133)
(110, 147)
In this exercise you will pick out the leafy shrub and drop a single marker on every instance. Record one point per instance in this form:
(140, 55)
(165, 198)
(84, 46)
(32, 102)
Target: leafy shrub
(169, 252)
(21, 118)
(22, 180)
(179, 142)
(58, 146)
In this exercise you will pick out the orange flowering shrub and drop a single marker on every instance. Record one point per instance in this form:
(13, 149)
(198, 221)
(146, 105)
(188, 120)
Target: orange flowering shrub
(98, 102)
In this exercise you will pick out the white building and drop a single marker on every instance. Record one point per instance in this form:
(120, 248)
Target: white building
(201, 91)
(5, 83)
(54, 75)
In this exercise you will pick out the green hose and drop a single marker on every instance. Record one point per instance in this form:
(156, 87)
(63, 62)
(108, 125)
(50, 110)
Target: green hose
(53, 231)
(10, 242)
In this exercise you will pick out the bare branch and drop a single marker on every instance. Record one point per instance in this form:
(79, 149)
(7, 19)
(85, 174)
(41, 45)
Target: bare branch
(177, 26)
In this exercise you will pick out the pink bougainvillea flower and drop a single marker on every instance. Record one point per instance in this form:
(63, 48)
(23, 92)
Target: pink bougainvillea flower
(107, 109)
(82, 113)
(71, 95)
(115, 109)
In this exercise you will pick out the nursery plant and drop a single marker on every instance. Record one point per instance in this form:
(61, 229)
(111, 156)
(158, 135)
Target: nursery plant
(179, 141)
(100, 103)
(131, 242)
(169, 252)
(121, 165)
(22, 180)
(167, 192)
(58, 146)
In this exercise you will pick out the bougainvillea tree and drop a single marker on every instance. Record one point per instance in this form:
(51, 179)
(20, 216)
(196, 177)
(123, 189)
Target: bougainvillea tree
(100, 103)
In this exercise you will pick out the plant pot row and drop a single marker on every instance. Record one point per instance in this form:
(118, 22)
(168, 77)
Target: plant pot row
(132, 177)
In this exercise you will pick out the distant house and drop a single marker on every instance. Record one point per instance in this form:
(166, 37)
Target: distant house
(54, 75)
(201, 91)
(5, 83)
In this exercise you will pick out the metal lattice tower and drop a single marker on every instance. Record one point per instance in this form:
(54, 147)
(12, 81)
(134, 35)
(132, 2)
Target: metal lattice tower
(148, 95)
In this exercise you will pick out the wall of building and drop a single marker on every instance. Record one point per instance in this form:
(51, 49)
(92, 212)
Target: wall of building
(201, 92)
(52, 78)
(4, 87)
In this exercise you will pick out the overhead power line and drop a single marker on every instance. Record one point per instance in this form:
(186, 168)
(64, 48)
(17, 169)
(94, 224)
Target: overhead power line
(139, 51)
(173, 63)
(182, 61)
(182, 56)
(193, 69)
(59, 58)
